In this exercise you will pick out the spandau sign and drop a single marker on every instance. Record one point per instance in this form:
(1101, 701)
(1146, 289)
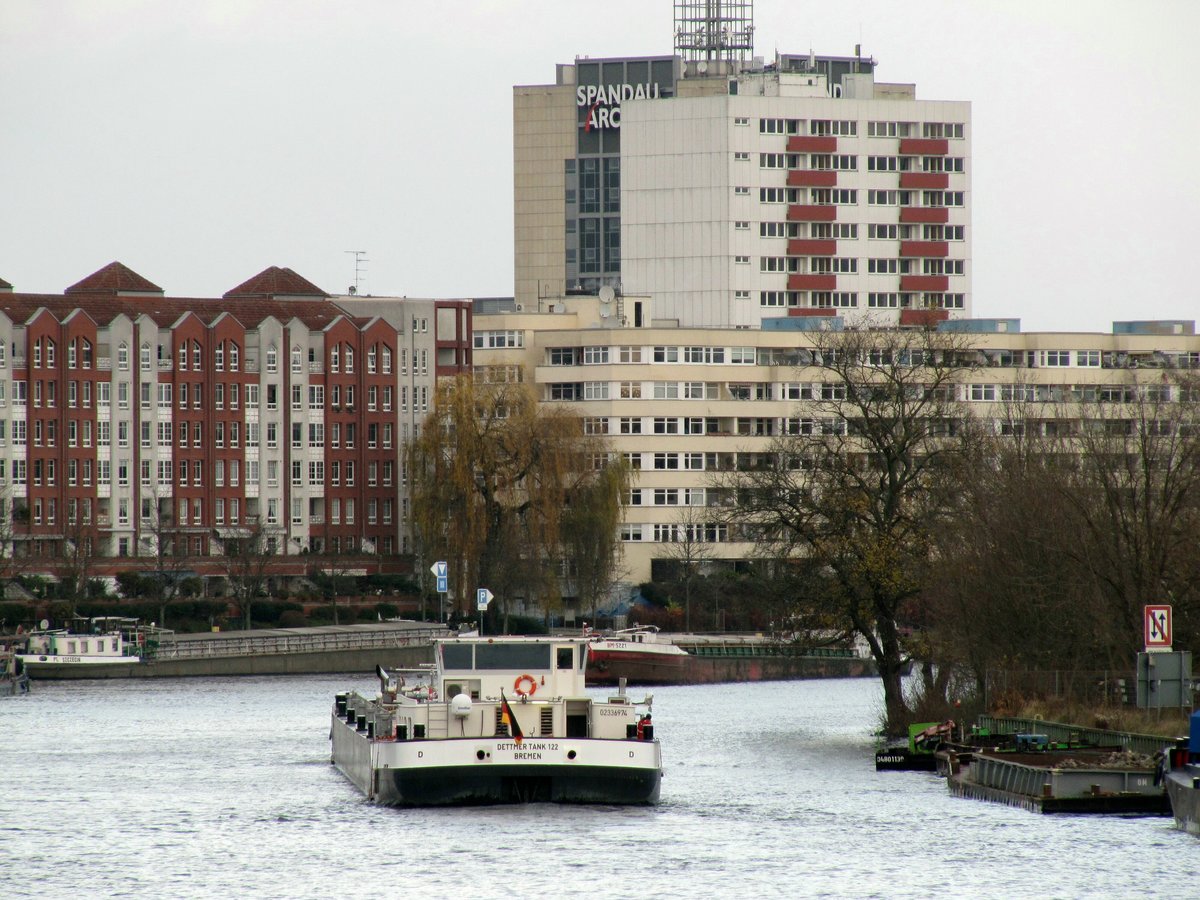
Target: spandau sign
(603, 101)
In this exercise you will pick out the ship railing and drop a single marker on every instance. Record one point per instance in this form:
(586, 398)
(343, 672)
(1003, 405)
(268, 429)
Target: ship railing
(263, 645)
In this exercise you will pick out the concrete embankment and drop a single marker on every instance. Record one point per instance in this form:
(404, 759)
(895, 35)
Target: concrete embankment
(279, 651)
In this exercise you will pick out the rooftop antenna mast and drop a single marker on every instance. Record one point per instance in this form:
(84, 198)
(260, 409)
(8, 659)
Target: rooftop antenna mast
(714, 30)
(360, 269)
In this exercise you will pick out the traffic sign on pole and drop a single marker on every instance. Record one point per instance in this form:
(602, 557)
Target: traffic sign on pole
(442, 573)
(482, 598)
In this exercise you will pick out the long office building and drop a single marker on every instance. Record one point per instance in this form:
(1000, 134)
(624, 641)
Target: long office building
(686, 404)
(734, 190)
(133, 421)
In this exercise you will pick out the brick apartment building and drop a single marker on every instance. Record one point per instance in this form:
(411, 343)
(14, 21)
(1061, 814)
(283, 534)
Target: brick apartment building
(129, 418)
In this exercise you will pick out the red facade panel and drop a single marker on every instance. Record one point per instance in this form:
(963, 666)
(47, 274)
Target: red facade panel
(811, 248)
(924, 248)
(925, 180)
(926, 317)
(938, 215)
(812, 282)
(924, 282)
(809, 312)
(811, 178)
(924, 146)
(812, 213)
(804, 143)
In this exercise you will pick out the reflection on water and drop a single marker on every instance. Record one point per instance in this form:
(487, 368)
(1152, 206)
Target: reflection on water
(221, 787)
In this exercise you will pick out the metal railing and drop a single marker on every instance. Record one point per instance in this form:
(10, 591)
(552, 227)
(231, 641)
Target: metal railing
(1061, 732)
(276, 644)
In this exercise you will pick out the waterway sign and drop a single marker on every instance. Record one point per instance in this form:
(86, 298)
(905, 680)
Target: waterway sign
(442, 572)
(1158, 628)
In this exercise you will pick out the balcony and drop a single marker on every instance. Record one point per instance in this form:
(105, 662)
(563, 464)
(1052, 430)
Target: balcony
(811, 178)
(804, 143)
(924, 282)
(924, 146)
(932, 215)
(925, 180)
(924, 248)
(164, 365)
(812, 248)
(812, 214)
(812, 282)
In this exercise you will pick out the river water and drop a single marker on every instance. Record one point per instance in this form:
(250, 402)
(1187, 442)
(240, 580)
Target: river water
(222, 787)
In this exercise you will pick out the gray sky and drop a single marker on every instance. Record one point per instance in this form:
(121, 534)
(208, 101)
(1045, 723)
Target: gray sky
(201, 142)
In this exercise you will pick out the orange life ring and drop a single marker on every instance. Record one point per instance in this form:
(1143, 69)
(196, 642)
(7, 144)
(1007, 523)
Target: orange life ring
(532, 685)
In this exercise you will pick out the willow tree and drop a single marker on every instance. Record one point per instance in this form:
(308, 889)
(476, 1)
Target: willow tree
(492, 473)
(591, 545)
(853, 487)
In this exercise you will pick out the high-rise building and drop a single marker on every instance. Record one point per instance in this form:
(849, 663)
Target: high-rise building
(733, 190)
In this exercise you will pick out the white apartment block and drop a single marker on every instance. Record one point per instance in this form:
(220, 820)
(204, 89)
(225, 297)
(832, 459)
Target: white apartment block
(781, 199)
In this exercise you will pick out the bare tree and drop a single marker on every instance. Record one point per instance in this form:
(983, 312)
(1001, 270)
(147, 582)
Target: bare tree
(691, 550)
(247, 557)
(170, 553)
(853, 486)
(81, 543)
(591, 545)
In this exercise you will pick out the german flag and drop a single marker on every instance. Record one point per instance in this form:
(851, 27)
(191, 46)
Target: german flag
(509, 718)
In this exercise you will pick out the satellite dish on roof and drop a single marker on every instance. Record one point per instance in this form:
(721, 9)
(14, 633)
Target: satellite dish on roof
(607, 294)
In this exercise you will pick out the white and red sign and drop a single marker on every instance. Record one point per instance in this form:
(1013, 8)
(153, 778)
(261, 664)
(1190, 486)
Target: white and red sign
(1158, 628)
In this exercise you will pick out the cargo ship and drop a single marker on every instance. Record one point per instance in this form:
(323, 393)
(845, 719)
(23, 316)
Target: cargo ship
(497, 720)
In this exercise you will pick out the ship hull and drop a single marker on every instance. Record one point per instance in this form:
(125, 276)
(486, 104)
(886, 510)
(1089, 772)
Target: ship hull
(481, 771)
(1183, 790)
(54, 667)
(609, 666)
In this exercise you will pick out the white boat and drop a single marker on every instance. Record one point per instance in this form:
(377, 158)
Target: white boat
(100, 647)
(497, 720)
(640, 655)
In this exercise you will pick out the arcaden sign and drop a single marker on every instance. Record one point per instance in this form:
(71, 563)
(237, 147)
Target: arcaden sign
(603, 102)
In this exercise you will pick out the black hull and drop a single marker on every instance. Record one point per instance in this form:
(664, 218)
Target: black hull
(901, 759)
(454, 786)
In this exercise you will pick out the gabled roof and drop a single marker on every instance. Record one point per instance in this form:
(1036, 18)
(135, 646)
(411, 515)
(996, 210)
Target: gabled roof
(274, 282)
(115, 278)
(4, 285)
(110, 293)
